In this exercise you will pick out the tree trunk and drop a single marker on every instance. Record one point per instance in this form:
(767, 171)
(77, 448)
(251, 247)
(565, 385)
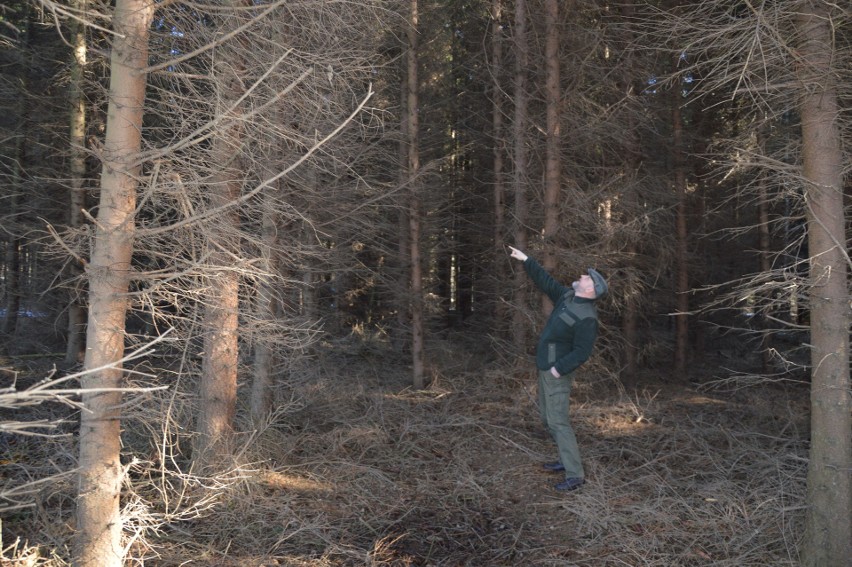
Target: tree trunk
(98, 542)
(519, 177)
(219, 367)
(218, 396)
(403, 246)
(828, 533)
(499, 141)
(268, 308)
(415, 205)
(681, 288)
(552, 170)
(74, 347)
(630, 319)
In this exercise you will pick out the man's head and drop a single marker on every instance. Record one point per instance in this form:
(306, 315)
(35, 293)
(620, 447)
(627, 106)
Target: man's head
(591, 285)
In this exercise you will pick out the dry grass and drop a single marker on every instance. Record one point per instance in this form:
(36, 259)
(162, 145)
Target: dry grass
(363, 471)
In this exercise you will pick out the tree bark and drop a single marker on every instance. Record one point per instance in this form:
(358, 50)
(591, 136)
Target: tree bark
(630, 320)
(268, 307)
(415, 205)
(828, 533)
(98, 541)
(220, 364)
(402, 224)
(520, 173)
(499, 141)
(218, 396)
(74, 347)
(552, 170)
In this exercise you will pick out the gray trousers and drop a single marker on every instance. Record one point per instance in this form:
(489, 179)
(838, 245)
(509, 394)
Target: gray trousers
(553, 403)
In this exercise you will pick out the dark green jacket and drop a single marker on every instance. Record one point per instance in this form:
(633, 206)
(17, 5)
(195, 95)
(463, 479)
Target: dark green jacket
(570, 332)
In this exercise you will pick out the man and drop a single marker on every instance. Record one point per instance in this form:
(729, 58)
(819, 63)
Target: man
(565, 343)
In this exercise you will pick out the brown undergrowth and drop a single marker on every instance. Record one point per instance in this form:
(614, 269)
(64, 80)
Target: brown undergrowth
(358, 469)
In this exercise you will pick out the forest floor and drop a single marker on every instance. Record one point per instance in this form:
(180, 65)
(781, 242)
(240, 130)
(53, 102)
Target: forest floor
(358, 469)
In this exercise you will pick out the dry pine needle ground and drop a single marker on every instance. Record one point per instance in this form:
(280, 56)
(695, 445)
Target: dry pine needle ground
(360, 470)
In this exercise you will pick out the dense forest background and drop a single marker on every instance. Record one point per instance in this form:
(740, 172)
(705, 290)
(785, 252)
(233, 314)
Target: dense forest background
(258, 307)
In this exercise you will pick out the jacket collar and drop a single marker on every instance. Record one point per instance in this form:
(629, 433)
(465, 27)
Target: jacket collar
(571, 297)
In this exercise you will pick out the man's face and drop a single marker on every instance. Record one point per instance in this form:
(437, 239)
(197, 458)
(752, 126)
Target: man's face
(585, 286)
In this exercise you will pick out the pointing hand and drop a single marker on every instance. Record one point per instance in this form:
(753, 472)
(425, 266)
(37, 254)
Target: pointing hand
(517, 254)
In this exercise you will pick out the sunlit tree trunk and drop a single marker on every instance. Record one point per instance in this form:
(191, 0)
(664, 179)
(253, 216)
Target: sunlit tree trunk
(98, 542)
(218, 396)
(219, 366)
(415, 205)
(520, 153)
(77, 138)
(552, 169)
(828, 535)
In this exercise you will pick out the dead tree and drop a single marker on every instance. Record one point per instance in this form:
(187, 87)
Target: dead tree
(100, 471)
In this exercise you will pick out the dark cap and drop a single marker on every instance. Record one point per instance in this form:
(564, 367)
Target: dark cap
(600, 283)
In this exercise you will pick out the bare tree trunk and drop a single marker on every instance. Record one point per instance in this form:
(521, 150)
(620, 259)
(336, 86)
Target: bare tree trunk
(403, 245)
(630, 320)
(218, 399)
(552, 170)
(218, 395)
(98, 541)
(828, 534)
(74, 348)
(681, 354)
(270, 299)
(415, 206)
(499, 141)
(268, 311)
(519, 178)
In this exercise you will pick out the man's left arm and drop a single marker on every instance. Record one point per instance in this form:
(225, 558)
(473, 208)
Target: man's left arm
(585, 333)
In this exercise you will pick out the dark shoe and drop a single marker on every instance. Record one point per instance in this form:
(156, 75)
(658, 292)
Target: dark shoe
(570, 484)
(555, 466)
